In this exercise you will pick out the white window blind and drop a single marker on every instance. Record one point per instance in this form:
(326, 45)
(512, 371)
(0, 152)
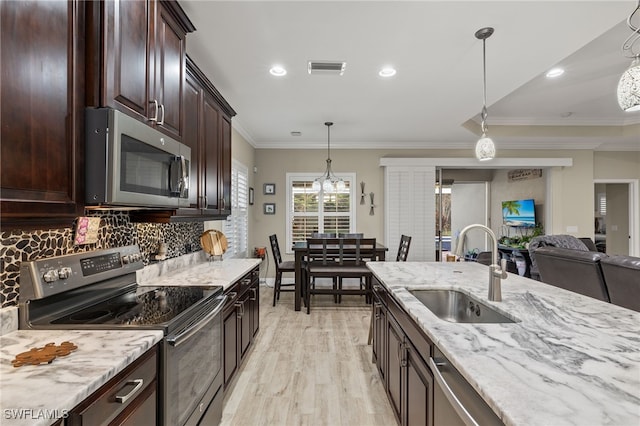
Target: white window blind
(309, 211)
(236, 227)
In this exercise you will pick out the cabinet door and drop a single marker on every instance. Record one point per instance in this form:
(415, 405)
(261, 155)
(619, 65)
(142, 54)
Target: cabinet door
(211, 127)
(191, 135)
(246, 328)
(170, 50)
(395, 340)
(128, 65)
(419, 388)
(230, 344)
(255, 308)
(224, 178)
(379, 325)
(42, 112)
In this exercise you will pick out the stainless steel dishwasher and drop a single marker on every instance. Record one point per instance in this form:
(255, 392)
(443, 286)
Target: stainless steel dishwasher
(455, 402)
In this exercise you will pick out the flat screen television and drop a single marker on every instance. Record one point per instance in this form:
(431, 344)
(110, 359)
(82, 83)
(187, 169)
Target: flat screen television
(520, 213)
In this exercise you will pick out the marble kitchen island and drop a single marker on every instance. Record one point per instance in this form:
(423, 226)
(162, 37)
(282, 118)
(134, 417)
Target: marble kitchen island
(569, 360)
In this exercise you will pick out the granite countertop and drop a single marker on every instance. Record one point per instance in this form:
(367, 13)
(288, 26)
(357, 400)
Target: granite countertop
(570, 360)
(42, 393)
(196, 271)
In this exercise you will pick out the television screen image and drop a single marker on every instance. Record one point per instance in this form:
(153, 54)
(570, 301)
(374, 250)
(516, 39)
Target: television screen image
(519, 213)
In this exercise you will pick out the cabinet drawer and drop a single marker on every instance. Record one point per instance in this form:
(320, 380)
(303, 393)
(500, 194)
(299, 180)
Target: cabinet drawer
(129, 390)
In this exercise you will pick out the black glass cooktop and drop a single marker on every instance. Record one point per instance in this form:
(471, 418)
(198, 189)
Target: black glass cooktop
(158, 305)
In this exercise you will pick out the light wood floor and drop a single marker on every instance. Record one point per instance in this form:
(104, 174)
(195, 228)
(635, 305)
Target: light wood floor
(309, 369)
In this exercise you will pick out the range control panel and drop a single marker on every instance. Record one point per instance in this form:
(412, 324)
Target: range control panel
(46, 277)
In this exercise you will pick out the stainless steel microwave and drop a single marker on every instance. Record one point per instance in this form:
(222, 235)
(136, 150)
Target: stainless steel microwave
(131, 164)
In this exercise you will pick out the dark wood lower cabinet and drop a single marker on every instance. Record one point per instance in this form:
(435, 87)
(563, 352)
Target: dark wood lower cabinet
(400, 353)
(139, 409)
(241, 322)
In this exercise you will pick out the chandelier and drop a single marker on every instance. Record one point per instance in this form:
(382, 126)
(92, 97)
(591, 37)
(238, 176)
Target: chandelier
(629, 84)
(485, 148)
(328, 181)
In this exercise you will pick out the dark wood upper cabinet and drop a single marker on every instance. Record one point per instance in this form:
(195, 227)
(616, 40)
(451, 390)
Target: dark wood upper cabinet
(207, 117)
(141, 66)
(42, 94)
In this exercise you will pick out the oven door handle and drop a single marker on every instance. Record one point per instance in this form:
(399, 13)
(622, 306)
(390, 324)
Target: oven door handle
(180, 338)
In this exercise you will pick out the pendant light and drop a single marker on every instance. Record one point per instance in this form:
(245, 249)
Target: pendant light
(629, 84)
(485, 148)
(328, 182)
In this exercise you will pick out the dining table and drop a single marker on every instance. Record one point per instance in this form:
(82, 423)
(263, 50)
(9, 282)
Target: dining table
(300, 251)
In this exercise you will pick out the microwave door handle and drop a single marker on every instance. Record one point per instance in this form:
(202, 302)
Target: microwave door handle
(174, 176)
(185, 177)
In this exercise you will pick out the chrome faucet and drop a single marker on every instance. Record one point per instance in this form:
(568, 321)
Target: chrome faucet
(497, 271)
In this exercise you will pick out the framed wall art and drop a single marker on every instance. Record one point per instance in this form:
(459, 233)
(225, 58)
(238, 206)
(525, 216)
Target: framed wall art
(269, 189)
(269, 208)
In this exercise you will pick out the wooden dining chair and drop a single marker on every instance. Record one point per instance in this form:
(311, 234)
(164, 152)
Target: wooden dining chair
(403, 250)
(286, 266)
(362, 279)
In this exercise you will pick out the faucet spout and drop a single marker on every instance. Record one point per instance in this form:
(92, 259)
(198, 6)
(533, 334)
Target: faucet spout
(497, 270)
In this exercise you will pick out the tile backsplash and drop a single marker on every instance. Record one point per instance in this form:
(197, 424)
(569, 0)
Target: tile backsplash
(116, 230)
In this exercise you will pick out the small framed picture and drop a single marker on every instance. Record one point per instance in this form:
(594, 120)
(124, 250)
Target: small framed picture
(269, 208)
(251, 196)
(269, 188)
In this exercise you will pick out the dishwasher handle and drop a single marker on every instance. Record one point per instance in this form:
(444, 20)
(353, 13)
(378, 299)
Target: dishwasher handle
(466, 417)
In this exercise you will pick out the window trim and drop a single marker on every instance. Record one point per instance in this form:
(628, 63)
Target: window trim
(290, 177)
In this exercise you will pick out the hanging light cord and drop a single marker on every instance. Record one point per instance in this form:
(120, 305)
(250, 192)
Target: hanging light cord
(329, 124)
(484, 88)
(627, 46)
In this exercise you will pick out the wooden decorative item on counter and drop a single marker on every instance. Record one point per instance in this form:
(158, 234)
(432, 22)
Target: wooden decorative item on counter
(45, 354)
(213, 242)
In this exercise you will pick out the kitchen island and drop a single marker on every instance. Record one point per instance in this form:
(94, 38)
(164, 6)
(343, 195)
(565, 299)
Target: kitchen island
(568, 360)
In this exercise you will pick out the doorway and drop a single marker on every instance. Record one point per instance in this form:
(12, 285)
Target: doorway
(615, 216)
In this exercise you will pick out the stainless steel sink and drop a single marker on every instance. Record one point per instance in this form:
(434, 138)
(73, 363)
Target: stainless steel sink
(456, 306)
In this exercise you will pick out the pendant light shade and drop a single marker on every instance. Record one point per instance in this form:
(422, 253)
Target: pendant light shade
(485, 148)
(328, 182)
(629, 88)
(629, 84)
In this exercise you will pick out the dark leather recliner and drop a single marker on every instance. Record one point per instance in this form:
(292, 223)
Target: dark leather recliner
(574, 270)
(622, 275)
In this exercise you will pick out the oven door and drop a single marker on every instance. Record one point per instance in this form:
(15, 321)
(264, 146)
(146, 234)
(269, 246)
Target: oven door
(192, 366)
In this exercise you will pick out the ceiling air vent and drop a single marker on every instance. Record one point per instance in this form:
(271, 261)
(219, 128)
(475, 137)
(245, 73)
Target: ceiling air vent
(326, 67)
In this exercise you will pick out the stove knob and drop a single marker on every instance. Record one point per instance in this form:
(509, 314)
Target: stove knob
(64, 273)
(125, 259)
(50, 276)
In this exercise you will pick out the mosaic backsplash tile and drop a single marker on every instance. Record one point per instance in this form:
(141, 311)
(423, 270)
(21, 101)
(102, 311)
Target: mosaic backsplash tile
(116, 230)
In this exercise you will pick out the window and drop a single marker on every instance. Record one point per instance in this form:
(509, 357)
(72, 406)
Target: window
(309, 211)
(236, 226)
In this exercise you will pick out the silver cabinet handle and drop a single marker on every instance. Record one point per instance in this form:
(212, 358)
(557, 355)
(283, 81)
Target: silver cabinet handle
(223, 205)
(161, 122)
(254, 294)
(451, 397)
(155, 116)
(138, 384)
(206, 202)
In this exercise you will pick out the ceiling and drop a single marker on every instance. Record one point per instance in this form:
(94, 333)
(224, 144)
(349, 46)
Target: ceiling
(434, 100)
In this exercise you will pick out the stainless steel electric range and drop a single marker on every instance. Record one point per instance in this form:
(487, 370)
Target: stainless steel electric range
(98, 290)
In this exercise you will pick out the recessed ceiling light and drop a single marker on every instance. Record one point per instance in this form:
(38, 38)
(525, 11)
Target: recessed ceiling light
(278, 71)
(555, 72)
(387, 72)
